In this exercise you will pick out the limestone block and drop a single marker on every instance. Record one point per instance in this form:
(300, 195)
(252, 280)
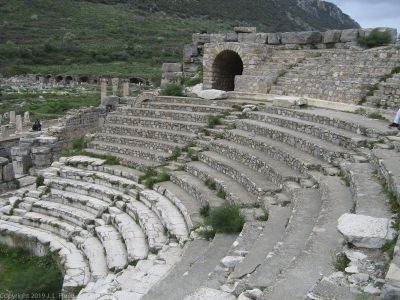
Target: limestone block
(213, 94)
(103, 89)
(274, 38)
(114, 82)
(231, 261)
(217, 38)
(289, 101)
(27, 118)
(3, 161)
(189, 51)
(125, 89)
(364, 231)
(172, 67)
(304, 37)
(349, 35)
(12, 117)
(110, 101)
(209, 294)
(253, 38)
(231, 37)
(331, 36)
(18, 123)
(194, 91)
(8, 173)
(242, 29)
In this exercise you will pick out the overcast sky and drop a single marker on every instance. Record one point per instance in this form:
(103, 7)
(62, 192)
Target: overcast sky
(372, 13)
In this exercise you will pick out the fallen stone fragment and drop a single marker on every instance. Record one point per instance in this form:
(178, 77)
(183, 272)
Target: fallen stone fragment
(209, 294)
(213, 94)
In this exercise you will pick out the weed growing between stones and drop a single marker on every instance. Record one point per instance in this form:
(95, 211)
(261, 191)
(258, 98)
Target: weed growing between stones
(226, 219)
(264, 217)
(205, 210)
(341, 262)
(77, 146)
(221, 193)
(214, 121)
(376, 116)
(212, 185)
(175, 153)
(151, 177)
(173, 89)
(243, 115)
(192, 155)
(39, 180)
(344, 177)
(375, 38)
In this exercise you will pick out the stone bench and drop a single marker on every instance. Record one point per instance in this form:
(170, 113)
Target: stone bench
(184, 107)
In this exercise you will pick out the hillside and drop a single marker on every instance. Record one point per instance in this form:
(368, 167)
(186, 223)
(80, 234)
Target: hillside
(135, 37)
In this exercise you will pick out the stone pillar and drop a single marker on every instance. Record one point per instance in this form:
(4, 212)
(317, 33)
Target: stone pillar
(114, 82)
(12, 117)
(125, 89)
(103, 89)
(27, 119)
(18, 122)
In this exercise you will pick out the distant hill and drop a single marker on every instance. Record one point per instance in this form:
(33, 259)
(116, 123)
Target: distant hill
(136, 36)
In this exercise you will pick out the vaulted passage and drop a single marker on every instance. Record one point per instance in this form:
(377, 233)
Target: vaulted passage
(226, 66)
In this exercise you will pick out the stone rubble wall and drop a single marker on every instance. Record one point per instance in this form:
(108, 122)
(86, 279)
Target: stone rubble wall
(387, 95)
(192, 60)
(7, 176)
(40, 149)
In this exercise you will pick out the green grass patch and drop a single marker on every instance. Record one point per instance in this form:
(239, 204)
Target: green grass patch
(172, 89)
(376, 116)
(341, 262)
(151, 176)
(205, 210)
(226, 219)
(211, 184)
(221, 193)
(175, 153)
(376, 38)
(24, 273)
(39, 180)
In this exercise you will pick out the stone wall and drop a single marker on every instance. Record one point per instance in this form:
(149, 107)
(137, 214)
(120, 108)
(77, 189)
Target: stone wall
(41, 149)
(7, 176)
(6, 145)
(387, 95)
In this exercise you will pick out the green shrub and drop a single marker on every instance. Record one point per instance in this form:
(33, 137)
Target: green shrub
(376, 116)
(78, 143)
(376, 38)
(221, 193)
(342, 262)
(176, 153)
(214, 121)
(205, 210)
(173, 89)
(39, 180)
(211, 184)
(226, 219)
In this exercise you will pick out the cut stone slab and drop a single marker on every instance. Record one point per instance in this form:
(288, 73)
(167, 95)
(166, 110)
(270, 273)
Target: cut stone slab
(209, 294)
(364, 231)
(213, 94)
(288, 101)
(231, 261)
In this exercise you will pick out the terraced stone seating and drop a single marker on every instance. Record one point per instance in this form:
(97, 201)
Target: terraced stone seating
(99, 222)
(301, 169)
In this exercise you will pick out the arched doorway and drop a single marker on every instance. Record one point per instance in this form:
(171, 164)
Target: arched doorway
(226, 66)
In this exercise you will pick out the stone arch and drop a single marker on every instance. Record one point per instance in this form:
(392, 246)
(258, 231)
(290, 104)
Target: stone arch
(227, 64)
(84, 79)
(136, 80)
(68, 79)
(59, 79)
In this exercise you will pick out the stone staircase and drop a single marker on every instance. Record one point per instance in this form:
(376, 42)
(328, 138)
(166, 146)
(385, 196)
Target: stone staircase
(341, 76)
(305, 167)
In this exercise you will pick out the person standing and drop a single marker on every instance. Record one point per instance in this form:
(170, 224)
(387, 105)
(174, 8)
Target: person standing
(396, 122)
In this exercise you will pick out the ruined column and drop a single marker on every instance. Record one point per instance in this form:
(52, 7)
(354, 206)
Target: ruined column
(12, 117)
(18, 122)
(103, 89)
(125, 89)
(27, 119)
(114, 82)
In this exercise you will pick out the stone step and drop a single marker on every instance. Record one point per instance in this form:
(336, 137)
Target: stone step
(90, 204)
(336, 136)
(101, 192)
(315, 260)
(114, 246)
(112, 181)
(173, 136)
(199, 260)
(235, 193)
(75, 267)
(95, 254)
(270, 236)
(320, 149)
(164, 114)
(184, 107)
(196, 188)
(135, 141)
(63, 212)
(149, 222)
(190, 100)
(50, 224)
(138, 152)
(126, 160)
(307, 205)
(168, 124)
(187, 204)
(368, 193)
(346, 121)
(296, 159)
(167, 212)
(387, 163)
(277, 171)
(133, 235)
(254, 182)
